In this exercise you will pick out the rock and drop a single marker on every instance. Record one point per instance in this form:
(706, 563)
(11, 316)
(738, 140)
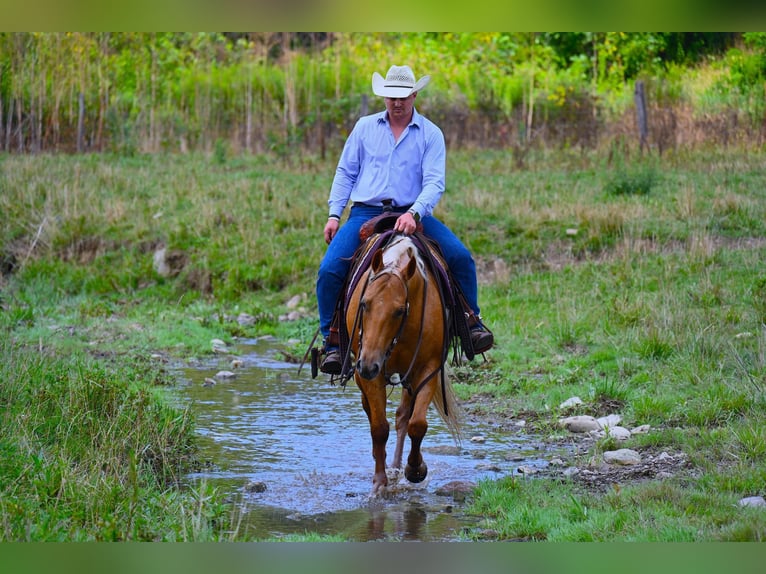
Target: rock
(623, 456)
(570, 402)
(643, 429)
(478, 438)
(237, 363)
(169, 263)
(208, 383)
(255, 486)
(528, 470)
(581, 423)
(225, 375)
(451, 450)
(556, 461)
(753, 501)
(218, 346)
(520, 423)
(246, 320)
(294, 302)
(609, 421)
(618, 433)
(514, 457)
(571, 471)
(457, 489)
(571, 231)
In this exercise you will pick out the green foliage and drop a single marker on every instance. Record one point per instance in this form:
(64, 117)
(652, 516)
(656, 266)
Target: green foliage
(89, 451)
(280, 92)
(632, 180)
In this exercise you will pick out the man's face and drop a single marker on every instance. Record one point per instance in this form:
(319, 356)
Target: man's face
(400, 108)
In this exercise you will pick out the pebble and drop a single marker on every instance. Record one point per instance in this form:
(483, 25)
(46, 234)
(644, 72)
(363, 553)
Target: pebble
(753, 501)
(245, 320)
(642, 429)
(294, 302)
(218, 346)
(208, 383)
(225, 375)
(571, 402)
(255, 486)
(617, 433)
(457, 489)
(580, 423)
(609, 421)
(623, 456)
(237, 363)
(478, 438)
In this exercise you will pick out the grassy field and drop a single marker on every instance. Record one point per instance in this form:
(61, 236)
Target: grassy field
(636, 284)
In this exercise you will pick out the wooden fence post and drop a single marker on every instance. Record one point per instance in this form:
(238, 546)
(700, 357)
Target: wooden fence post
(643, 129)
(81, 123)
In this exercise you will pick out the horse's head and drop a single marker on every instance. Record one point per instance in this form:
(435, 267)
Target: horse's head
(385, 304)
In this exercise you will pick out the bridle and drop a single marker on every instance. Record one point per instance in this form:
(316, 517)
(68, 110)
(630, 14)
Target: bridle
(394, 379)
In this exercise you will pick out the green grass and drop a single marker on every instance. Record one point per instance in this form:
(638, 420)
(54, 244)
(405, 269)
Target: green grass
(651, 304)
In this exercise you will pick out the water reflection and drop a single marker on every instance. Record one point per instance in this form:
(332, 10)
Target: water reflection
(296, 454)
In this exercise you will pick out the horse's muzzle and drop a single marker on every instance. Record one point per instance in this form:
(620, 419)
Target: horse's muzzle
(368, 371)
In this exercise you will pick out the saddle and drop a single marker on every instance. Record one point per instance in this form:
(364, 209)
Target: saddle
(375, 234)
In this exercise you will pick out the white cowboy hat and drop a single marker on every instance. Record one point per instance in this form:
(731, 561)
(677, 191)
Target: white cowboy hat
(398, 83)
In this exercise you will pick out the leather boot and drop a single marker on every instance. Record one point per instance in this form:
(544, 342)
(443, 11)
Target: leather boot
(332, 362)
(482, 338)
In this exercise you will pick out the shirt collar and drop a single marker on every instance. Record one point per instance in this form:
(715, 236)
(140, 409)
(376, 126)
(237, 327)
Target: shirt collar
(417, 119)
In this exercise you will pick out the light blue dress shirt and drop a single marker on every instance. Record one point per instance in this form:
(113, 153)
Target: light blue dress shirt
(373, 167)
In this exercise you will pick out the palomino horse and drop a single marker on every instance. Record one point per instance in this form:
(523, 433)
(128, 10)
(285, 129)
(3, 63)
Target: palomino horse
(398, 331)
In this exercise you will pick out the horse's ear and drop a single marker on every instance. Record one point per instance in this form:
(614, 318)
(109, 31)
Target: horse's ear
(377, 261)
(412, 266)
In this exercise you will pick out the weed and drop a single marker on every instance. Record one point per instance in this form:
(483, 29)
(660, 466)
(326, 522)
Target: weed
(637, 180)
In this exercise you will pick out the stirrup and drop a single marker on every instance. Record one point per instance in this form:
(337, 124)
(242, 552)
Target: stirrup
(332, 364)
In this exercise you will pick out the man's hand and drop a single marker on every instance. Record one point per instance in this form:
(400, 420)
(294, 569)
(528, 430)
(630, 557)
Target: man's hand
(405, 223)
(330, 229)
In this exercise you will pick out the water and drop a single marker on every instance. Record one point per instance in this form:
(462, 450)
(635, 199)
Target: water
(295, 454)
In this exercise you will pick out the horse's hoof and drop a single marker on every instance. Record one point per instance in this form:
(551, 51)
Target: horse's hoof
(416, 474)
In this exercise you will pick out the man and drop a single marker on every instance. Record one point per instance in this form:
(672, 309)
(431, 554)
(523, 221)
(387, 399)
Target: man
(394, 158)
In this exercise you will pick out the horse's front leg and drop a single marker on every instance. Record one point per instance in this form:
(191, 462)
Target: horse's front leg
(416, 469)
(374, 404)
(402, 420)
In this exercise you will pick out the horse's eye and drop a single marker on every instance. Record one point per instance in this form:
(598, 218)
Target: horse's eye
(363, 305)
(399, 312)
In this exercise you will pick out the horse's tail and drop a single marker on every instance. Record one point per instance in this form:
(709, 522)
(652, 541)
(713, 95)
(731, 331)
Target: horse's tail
(447, 406)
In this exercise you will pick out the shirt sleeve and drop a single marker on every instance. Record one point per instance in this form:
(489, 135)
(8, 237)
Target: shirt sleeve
(346, 173)
(434, 169)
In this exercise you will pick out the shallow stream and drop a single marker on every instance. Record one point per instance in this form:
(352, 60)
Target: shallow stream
(295, 454)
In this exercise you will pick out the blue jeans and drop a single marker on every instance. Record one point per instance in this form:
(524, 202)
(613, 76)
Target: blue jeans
(337, 261)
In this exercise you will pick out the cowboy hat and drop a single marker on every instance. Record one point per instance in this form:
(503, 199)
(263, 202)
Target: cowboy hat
(398, 83)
